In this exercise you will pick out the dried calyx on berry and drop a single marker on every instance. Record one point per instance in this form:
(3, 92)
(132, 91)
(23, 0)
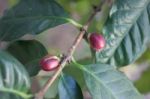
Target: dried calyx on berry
(49, 63)
(97, 41)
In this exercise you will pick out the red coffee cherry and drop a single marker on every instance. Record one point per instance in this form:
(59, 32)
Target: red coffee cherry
(49, 63)
(97, 41)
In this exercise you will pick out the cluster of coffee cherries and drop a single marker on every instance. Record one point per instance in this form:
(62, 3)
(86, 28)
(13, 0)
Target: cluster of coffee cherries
(50, 62)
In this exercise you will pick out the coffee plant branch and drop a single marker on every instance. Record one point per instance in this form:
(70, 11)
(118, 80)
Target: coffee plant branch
(70, 52)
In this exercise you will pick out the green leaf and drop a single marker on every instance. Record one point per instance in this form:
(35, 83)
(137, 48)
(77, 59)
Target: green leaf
(135, 42)
(105, 82)
(30, 16)
(126, 31)
(68, 88)
(29, 54)
(14, 80)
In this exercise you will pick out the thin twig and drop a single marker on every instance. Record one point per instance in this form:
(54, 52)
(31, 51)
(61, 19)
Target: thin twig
(69, 54)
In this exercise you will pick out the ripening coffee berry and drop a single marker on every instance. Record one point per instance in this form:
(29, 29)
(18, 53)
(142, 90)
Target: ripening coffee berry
(97, 41)
(49, 63)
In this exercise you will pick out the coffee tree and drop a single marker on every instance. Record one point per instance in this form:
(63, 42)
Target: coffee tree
(122, 41)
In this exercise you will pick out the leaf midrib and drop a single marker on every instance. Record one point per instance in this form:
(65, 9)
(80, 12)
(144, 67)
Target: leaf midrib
(86, 70)
(101, 83)
(31, 18)
(23, 95)
(94, 76)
